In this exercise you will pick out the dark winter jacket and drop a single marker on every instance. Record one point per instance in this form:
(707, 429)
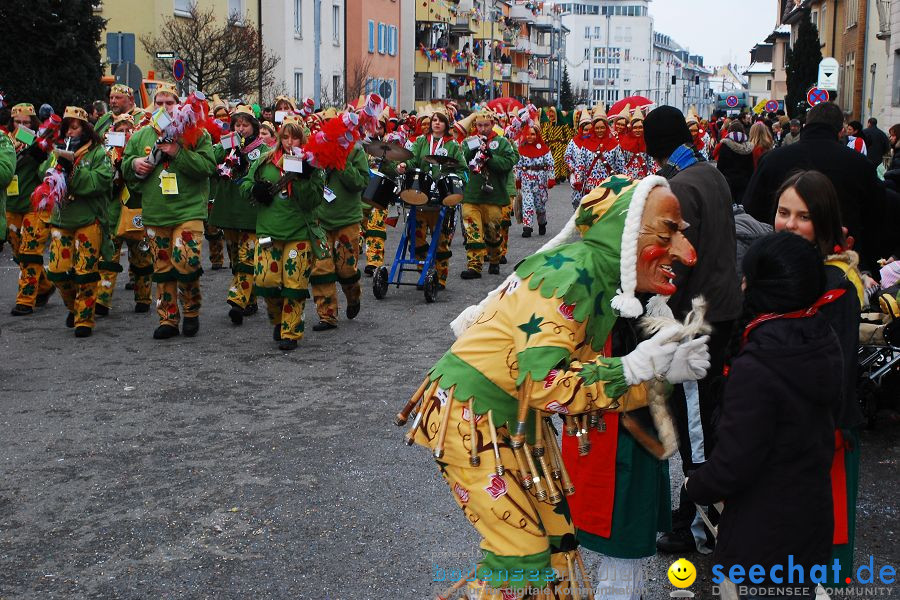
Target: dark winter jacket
(772, 463)
(877, 144)
(860, 192)
(706, 206)
(735, 161)
(746, 231)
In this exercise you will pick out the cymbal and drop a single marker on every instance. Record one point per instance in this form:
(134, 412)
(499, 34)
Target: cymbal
(387, 150)
(442, 161)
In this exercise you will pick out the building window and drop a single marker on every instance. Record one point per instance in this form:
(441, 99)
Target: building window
(768, 85)
(371, 37)
(298, 17)
(336, 24)
(392, 40)
(336, 84)
(382, 38)
(236, 10)
(587, 33)
(587, 73)
(895, 94)
(852, 13)
(298, 85)
(182, 7)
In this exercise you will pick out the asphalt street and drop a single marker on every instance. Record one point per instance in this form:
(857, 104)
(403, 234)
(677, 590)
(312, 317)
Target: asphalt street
(220, 467)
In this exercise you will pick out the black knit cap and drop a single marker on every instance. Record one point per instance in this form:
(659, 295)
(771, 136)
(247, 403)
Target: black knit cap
(664, 130)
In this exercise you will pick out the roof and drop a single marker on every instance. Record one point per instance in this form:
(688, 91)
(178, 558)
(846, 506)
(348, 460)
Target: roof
(780, 31)
(758, 68)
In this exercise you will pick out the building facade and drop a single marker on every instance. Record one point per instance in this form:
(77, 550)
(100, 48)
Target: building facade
(372, 62)
(679, 78)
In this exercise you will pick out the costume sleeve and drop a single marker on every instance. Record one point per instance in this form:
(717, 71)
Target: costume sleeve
(7, 161)
(454, 150)
(133, 149)
(218, 153)
(309, 193)
(570, 156)
(95, 179)
(416, 161)
(745, 433)
(196, 163)
(546, 337)
(355, 174)
(504, 158)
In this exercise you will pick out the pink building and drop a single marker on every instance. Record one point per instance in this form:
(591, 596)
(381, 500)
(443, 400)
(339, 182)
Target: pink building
(372, 49)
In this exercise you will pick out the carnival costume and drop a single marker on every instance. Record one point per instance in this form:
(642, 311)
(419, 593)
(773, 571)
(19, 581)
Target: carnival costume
(533, 175)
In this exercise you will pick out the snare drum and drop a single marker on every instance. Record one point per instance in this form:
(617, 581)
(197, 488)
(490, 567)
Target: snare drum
(450, 189)
(381, 191)
(416, 187)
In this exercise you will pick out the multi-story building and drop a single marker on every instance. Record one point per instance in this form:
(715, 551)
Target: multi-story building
(540, 51)
(780, 39)
(877, 75)
(678, 78)
(760, 74)
(309, 37)
(145, 19)
(608, 52)
(892, 85)
(373, 49)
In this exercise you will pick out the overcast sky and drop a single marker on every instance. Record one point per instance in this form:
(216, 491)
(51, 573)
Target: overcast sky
(722, 31)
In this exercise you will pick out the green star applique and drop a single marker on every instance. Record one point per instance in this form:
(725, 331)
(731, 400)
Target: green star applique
(532, 327)
(617, 184)
(586, 217)
(598, 304)
(556, 261)
(584, 278)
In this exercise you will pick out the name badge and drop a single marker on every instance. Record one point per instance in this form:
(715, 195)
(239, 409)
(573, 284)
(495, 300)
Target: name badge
(329, 195)
(13, 188)
(473, 143)
(494, 145)
(115, 139)
(124, 195)
(293, 164)
(168, 182)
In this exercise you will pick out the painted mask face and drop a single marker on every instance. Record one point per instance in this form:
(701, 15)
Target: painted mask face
(637, 128)
(531, 136)
(621, 125)
(661, 242)
(600, 128)
(694, 128)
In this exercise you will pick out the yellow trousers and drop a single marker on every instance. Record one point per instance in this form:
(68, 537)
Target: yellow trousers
(426, 224)
(375, 234)
(140, 264)
(506, 214)
(281, 276)
(74, 269)
(481, 223)
(242, 253)
(27, 235)
(341, 267)
(176, 269)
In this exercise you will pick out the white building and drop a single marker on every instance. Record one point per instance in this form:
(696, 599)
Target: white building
(294, 30)
(678, 78)
(608, 49)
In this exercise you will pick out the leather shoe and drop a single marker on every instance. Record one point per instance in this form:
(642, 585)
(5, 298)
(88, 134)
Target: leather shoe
(100, 310)
(353, 310)
(42, 299)
(680, 541)
(502, 260)
(70, 320)
(191, 326)
(494, 269)
(236, 314)
(276, 333)
(470, 274)
(287, 345)
(369, 270)
(542, 229)
(141, 307)
(164, 332)
(526, 232)
(82, 332)
(252, 308)
(20, 310)
(324, 326)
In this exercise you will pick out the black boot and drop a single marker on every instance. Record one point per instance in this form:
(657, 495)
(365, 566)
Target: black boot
(276, 333)
(101, 311)
(470, 274)
(141, 307)
(82, 332)
(353, 310)
(20, 310)
(42, 299)
(191, 326)
(164, 332)
(542, 229)
(324, 326)
(494, 269)
(287, 345)
(236, 314)
(70, 320)
(526, 231)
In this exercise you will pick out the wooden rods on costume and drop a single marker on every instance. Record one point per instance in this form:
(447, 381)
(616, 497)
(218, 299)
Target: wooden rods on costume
(584, 576)
(571, 426)
(518, 437)
(526, 477)
(584, 439)
(403, 415)
(552, 492)
(445, 423)
(574, 586)
(538, 447)
(446, 594)
(426, 399)
(498, 465)
(539, 492)
(556, 454)
(474, 459)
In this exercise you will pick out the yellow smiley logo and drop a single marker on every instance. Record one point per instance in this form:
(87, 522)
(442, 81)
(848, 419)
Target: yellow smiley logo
(682, 573)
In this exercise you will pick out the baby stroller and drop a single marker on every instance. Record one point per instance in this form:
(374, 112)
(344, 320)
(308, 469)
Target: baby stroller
(878, 383)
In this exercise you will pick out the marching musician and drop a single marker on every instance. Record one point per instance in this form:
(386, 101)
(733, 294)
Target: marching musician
(28, 229)
(288, 235)
(121, 102)
(438, 142)
(491, 158)
(373, 229)
(232, 214)
(78, 218)
(174, 193)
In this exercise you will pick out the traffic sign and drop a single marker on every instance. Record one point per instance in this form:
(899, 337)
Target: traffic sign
(178, 69)
(816, 96)
(167, 55)
(771, 106)
(731, 101)
(829, 69)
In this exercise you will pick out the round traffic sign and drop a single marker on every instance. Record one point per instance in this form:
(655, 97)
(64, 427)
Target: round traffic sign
(178, 69)
(816, 96)
(771, 106)
(731, 101)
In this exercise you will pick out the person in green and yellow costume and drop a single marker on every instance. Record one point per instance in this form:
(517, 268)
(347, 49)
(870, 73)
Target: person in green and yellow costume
(27, 229)
(439, 142)
(372, 227)
(174, 194)
(557, 134)
(121, 102)
(289, 236)
(559, 337)
(77, 219)
(233, 215)
(490, 158)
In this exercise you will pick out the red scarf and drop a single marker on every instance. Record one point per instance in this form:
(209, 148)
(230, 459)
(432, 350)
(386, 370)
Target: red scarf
(535, 150)
(827, 298)
(632, 143)
(588, 142)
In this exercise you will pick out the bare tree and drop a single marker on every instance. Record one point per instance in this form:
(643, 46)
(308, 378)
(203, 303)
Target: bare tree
(221, 57)
(357, 77)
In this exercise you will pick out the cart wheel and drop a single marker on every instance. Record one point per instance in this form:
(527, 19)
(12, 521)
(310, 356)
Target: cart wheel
(380, 283)
(431, 286)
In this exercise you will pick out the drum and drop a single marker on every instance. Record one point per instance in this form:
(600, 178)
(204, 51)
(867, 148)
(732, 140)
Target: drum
(416, 187)
(381, 191)
(450, 189)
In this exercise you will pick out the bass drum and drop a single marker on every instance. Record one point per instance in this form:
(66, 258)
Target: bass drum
(381, 191)
(450, 189)
(416, 187)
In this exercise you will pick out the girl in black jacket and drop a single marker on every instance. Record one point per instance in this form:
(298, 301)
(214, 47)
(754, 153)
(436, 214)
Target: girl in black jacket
(776, 432)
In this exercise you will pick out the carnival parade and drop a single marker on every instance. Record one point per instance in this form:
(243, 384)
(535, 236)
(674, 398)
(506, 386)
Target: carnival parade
(477, 345)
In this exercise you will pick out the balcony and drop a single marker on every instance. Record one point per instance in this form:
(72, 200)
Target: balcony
(540, 49)
(423, 65)
(884, 19)
(520, 13)
(463, 25)
(434, 12)
(520, 75)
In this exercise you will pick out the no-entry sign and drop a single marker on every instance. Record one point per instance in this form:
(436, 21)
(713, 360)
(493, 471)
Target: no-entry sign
(731, 101)
(816, 96)
(178, 69)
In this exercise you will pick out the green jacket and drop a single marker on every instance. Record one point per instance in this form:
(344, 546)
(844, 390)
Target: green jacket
(89, 190)
(422, 148)
(347, 185)
(7, 170)
(29, 175)
(192, 168)
(287, 218)
(231, 209)
(105, 122)
(496, 170)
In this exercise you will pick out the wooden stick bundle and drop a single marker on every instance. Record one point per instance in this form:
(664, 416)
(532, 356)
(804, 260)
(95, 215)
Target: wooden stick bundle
(474, 459)
(445, 422)
(498, 464)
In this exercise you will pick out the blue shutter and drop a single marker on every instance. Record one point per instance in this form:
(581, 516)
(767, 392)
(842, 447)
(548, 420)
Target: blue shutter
(371, 37)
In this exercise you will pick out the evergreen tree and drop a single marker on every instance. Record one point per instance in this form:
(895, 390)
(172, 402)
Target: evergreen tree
(566, 97)
(51, 52)
(802, 66)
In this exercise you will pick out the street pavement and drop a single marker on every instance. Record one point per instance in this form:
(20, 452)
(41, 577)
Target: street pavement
(220, 467)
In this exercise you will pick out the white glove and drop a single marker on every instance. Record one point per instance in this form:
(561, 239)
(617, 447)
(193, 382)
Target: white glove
(652, 357)
(691, 361)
